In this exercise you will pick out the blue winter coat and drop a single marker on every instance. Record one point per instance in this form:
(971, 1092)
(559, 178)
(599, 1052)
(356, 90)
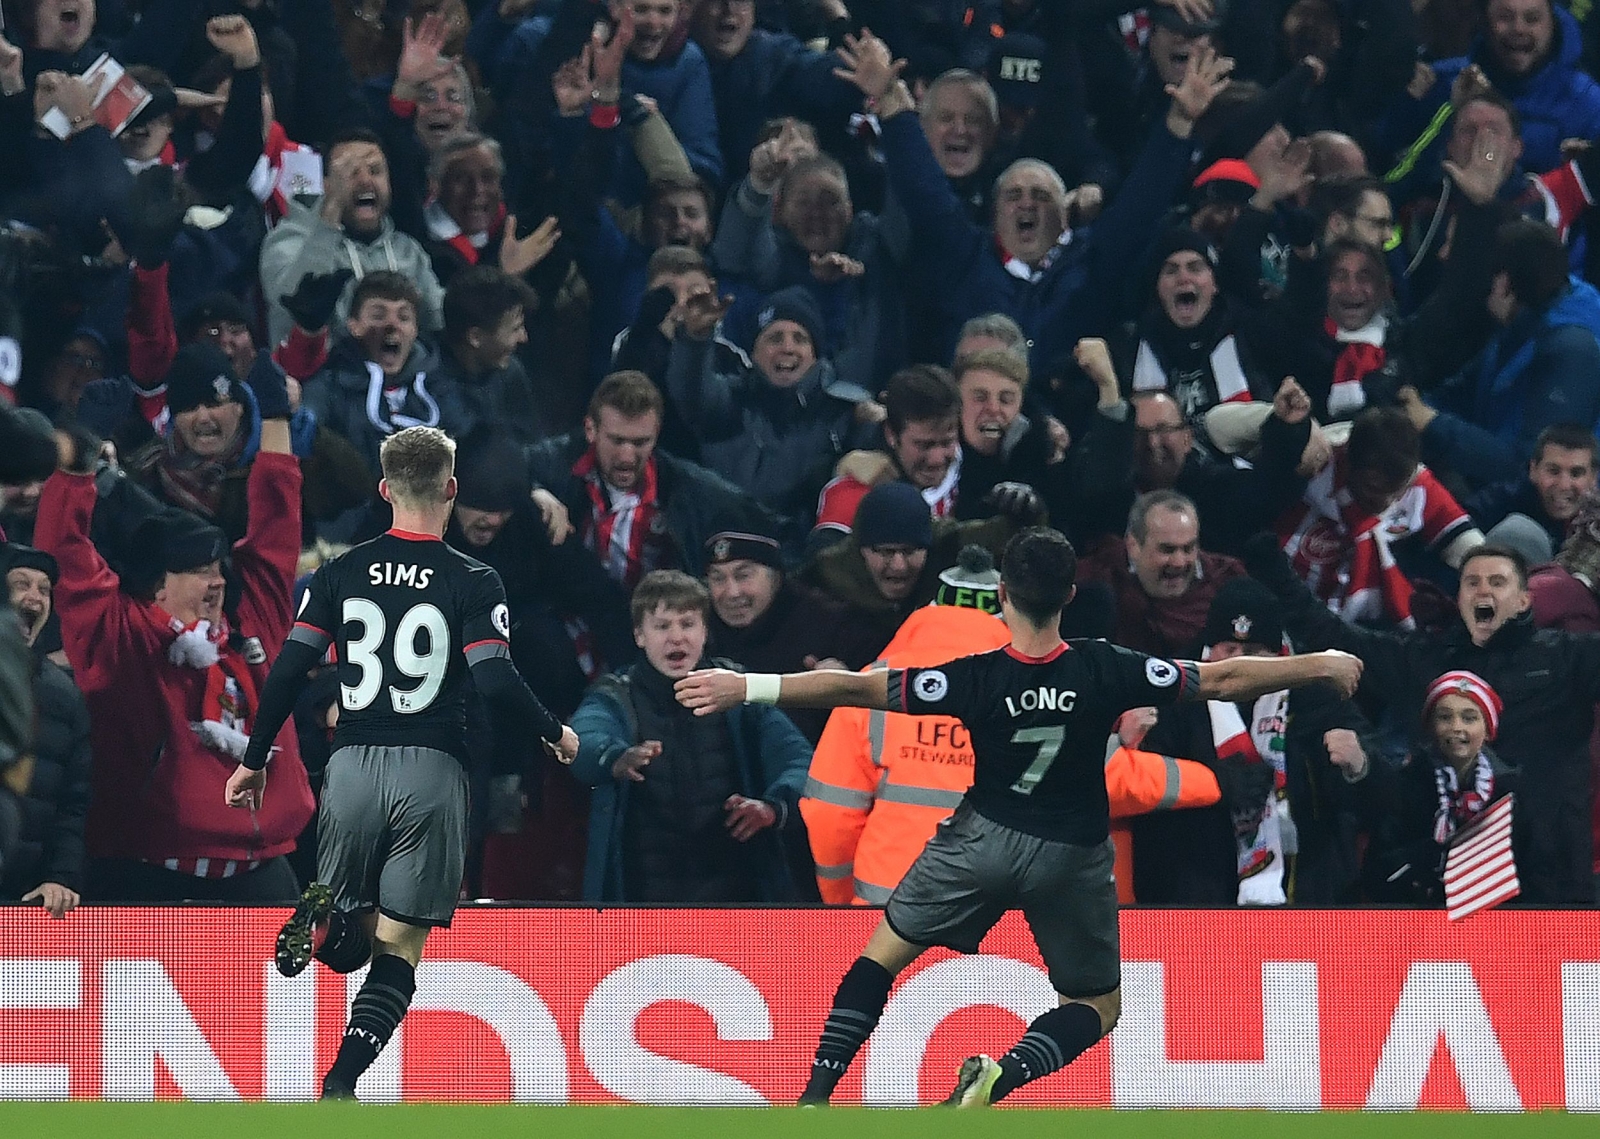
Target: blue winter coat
(1558, 101)
(1541, 369)
(1076, 296)
(773, 760)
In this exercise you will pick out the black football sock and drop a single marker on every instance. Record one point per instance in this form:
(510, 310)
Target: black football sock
(347, 945)
(857, 1005)
(1052, 1041)
(377, 1009)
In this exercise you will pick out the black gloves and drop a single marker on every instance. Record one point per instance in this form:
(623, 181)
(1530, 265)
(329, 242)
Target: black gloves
(270, 386)
(315, 297)
(1245, 785)
(1017, 500)
(153, 218)
(104, 405)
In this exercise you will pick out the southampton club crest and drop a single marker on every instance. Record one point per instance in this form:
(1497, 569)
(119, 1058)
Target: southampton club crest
(1241, 627)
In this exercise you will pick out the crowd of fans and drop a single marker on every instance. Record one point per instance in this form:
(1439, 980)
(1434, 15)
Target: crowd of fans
(762, 325)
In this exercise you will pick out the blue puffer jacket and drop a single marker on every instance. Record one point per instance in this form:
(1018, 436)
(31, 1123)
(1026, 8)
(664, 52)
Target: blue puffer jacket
(1541, 369)
(773, 760)
(1558, 101)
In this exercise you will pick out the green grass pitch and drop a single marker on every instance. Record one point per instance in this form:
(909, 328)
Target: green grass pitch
(479, 1121)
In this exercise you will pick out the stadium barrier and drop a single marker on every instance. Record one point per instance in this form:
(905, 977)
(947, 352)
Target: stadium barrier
(1293, 1009)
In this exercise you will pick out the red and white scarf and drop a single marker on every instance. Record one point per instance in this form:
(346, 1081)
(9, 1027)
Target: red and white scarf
(286, 168)
(442, 227)
(1346, 555)
(1458, 806)
(1361, 353)
(1265, 834)
(1021, 270)
(228, 704)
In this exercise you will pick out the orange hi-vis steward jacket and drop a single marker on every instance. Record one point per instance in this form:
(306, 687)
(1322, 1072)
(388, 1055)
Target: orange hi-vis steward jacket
(1138, 782)
(880, 782)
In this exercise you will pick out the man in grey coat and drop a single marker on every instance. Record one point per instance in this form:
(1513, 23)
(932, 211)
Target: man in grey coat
(349, 227)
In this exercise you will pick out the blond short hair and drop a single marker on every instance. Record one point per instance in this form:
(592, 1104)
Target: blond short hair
(417, 464)
(997, 360)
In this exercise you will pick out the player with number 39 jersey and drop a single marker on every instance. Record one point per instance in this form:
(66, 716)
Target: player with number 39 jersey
(409, 616)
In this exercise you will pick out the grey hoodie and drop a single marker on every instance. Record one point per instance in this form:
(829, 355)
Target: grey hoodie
(304, 243)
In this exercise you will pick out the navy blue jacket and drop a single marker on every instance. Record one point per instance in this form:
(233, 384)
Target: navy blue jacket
(1076, 296)
(774, 75)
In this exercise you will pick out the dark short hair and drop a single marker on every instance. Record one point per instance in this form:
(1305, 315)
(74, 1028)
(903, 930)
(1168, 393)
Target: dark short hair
(1496, 99)
(385, 285)
(1339, 247)
(674, 589)
(1139, 514)
(1533, 259)
(219, 68)
(480, 297)
(921, 393)
(628, 393)
(350, 137)
(1495, 550)
(1340, 194)
(673, 260)
(1383, 440)
(1038, 570)
(1568, 436)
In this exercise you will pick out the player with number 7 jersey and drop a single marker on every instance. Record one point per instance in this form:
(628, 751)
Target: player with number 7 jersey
(1032, 833)
(410, 618)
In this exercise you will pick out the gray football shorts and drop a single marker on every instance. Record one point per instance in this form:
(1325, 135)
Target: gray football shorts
(392, 832)
(973, 870)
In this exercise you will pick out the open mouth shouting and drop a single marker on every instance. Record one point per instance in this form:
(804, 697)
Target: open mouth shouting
(1483, 615)
(1186, 310)
(391, 350)
(365, 208)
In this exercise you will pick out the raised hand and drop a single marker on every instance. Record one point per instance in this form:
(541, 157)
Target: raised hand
(11, 80)
(315, 297)
(772, 158)
(607, 56)
(1093, 356)
(831, 267)
(235, 38)
(1488, 166)
(421, 53)
(869, 64)
(518, 255)
(1345, 751)
(1470, 83)
(1291, 404)
(571, 86)
(1204, 78)
(555, 516)
(1285, 173)
(701, 313)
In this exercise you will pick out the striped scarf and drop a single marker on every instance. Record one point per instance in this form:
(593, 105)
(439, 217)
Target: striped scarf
(1459, 806)
(1265, 833)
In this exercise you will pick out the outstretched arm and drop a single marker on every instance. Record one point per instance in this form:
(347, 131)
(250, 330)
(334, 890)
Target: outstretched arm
(1245, 678)
(718, 689)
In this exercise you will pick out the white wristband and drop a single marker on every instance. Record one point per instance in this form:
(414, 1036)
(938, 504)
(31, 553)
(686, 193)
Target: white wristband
(762, 687)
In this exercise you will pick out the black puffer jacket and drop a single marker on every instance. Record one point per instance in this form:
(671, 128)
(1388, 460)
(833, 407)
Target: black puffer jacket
(50, 847)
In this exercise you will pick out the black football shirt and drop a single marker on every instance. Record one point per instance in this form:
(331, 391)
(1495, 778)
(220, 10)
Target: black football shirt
(408, 615)
(1039, 726)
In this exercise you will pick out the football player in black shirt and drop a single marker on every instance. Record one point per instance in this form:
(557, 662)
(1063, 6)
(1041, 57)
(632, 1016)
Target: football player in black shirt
(1033, 831)
(410, 616)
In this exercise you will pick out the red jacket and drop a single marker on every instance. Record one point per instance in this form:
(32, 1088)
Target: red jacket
(1161, 627)
(158, 791)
